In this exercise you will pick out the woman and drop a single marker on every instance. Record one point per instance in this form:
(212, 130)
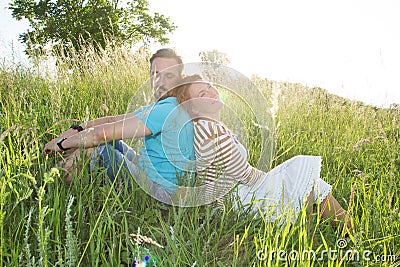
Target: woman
(221, 163)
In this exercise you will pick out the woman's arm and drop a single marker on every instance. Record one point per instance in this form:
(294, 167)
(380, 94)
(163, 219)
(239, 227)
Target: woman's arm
(128, 127)
(219, 162)
(220, 165)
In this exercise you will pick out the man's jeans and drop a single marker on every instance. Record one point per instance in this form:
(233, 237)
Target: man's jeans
(120, 161)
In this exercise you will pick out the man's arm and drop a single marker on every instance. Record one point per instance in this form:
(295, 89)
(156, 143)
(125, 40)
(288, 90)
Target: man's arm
(90, 124)
(93, 123)
(104, 120)
(129, 127)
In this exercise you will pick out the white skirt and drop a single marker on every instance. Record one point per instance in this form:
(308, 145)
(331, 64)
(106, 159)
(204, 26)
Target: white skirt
(284, 190)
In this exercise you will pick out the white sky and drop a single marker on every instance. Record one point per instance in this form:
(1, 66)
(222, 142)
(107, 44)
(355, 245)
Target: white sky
(349, 47)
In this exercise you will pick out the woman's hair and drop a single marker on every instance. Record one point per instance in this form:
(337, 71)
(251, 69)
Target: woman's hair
(181, 92)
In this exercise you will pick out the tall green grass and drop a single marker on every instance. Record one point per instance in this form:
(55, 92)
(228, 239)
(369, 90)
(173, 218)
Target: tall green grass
(43, 222)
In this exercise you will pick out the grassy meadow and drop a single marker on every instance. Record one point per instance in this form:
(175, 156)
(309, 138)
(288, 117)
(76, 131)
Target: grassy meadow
(44, 222)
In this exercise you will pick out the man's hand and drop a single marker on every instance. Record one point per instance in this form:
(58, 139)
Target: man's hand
(52, 146)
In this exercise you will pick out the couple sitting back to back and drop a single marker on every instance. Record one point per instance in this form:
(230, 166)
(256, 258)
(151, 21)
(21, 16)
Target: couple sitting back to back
(102, 137)
(172, 143)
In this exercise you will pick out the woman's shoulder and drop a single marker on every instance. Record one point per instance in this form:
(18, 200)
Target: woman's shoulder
(210, 129)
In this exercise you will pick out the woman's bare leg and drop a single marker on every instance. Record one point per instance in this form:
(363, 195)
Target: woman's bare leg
(310, 203)
(310, 209)
(330, 208)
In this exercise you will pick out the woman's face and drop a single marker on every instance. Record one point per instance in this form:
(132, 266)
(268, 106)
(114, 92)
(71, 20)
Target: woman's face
(204, 99)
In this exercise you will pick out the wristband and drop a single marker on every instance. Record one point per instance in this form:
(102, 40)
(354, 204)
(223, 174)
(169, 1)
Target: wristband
(77, 127)
(59, 144)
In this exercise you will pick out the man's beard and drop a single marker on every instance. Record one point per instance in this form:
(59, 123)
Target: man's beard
(160, 92)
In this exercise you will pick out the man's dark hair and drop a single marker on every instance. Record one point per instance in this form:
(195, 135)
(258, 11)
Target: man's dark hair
(166, 53)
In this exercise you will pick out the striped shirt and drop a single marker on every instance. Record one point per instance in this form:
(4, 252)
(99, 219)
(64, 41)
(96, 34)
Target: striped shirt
(220, 164)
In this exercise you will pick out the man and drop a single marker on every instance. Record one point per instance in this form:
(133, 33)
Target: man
(166, 130)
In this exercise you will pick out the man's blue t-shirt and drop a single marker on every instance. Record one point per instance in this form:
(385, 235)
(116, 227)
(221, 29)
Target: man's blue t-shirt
(168, 153)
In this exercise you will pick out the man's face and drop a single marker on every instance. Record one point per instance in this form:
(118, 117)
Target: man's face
(164, 75)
